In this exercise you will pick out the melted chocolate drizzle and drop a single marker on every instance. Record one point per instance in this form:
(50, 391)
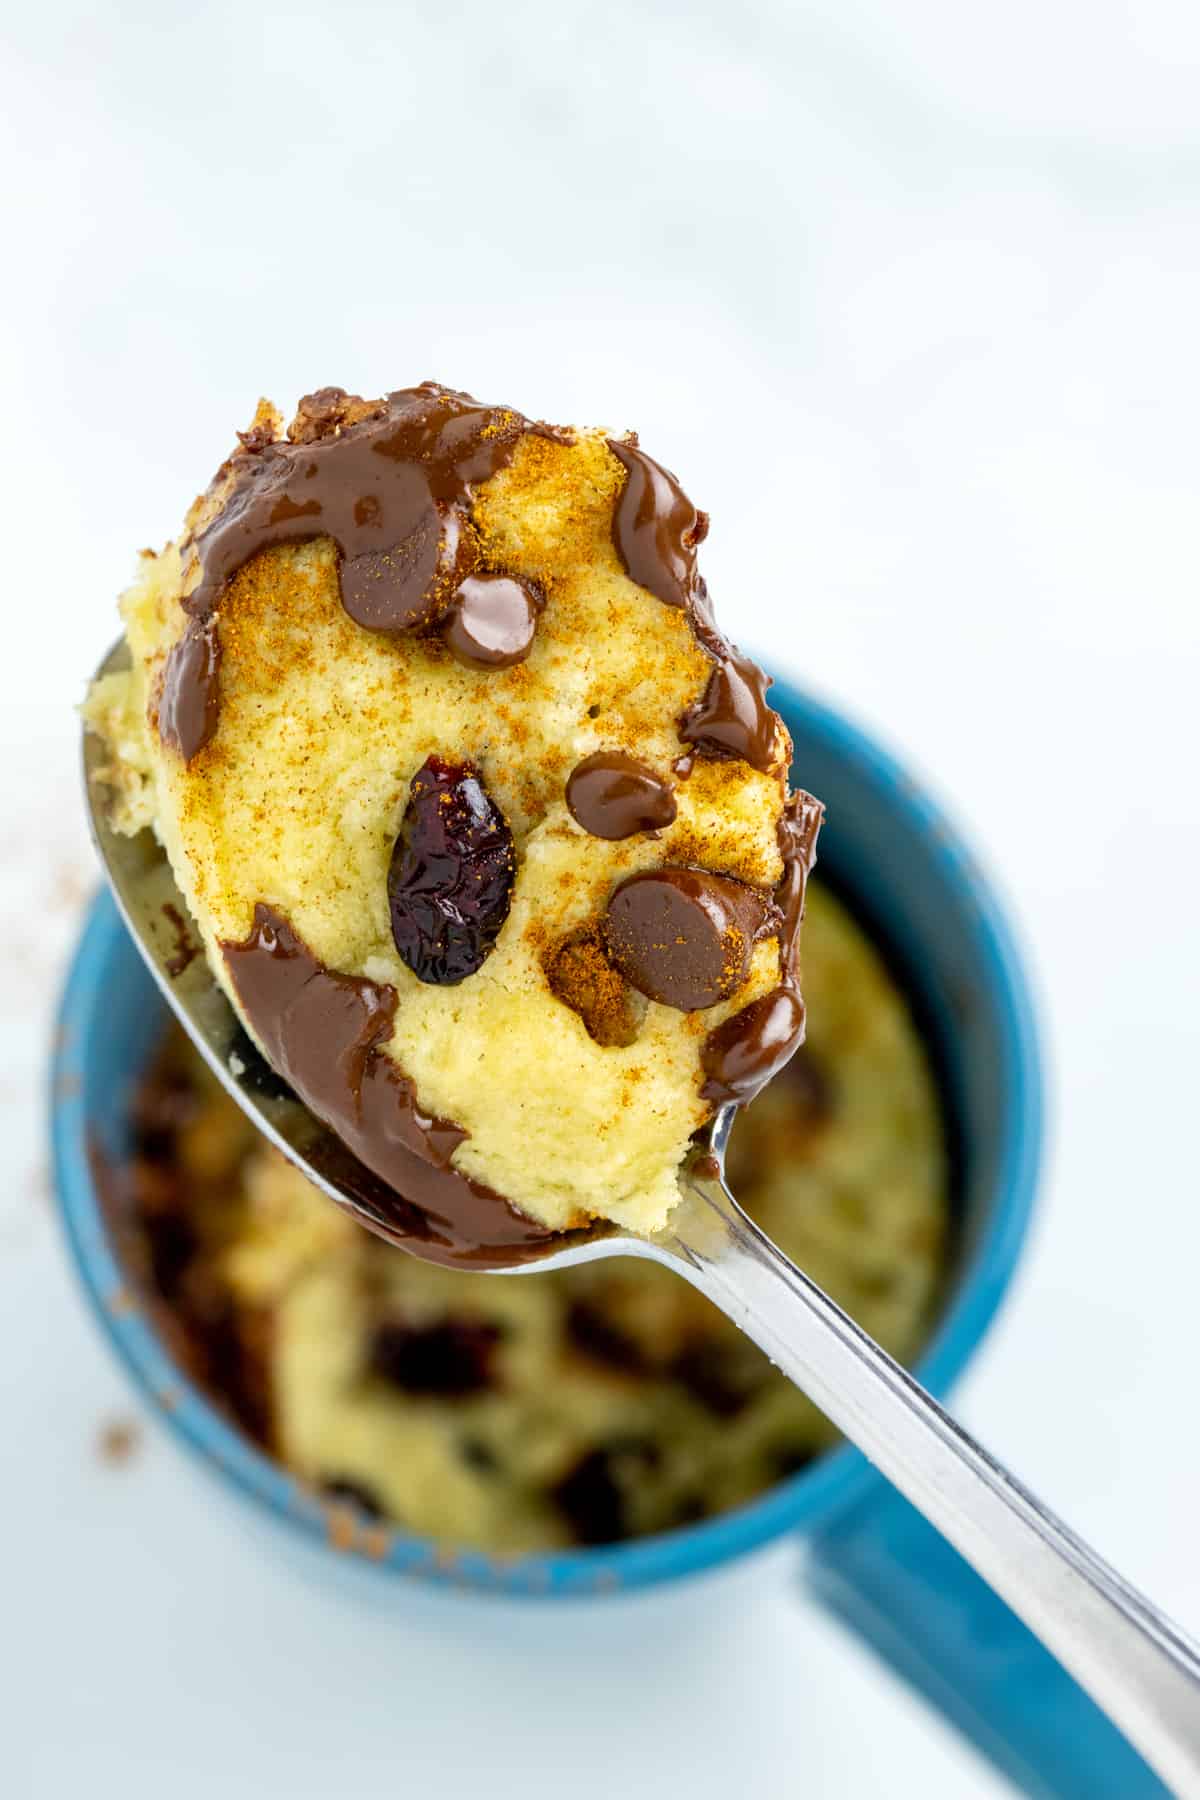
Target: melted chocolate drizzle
(731, 717)
(189, 702)
(656, 529)
(656, 532)
(325, 1032)
(389, 481)
(492, 621)
(742, 1055)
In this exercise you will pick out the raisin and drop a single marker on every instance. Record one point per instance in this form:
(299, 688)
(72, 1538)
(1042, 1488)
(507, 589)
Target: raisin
(451, 1359)
(451, 875)
(344, 1487)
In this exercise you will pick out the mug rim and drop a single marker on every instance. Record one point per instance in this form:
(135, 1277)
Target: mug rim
(803, 1501)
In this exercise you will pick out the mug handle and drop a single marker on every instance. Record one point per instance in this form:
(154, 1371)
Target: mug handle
(889, 1575)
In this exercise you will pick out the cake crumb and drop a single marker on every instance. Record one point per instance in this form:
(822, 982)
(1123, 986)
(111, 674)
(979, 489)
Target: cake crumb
(118, 1441)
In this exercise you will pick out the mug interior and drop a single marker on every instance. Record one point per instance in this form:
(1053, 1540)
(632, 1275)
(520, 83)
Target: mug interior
(890, 854)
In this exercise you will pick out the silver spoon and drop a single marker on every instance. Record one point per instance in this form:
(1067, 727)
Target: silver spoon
(1132, 1660)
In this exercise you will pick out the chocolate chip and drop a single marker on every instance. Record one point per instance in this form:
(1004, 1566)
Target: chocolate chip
(592, 1501)
(164, 1105)
(747, 1050)
(406, 585)
(809, 1085)
(593, 1495)
(491, 622)
(789, 1459)
(614, 796)
(344, 1487)
(722, 1374)
(655, 527)
(451, 1359)
(684, 937)
(591, 1330)
(479, 1456)
(732, 717)
(172, 1244)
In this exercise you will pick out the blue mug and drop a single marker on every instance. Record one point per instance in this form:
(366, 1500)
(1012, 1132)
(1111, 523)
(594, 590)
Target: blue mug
(872, 1559)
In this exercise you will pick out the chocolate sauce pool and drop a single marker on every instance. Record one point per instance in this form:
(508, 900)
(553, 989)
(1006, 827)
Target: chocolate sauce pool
(324, 1032)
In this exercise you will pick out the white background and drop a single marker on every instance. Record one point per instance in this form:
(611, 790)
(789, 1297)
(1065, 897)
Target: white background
(911, 297)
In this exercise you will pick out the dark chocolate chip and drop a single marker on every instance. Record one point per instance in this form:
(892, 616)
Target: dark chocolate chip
(592, 1501)
(592, 1495)
(591, 1330)
(731, 718)
(164, 1105)
(613, 796)
(173, 1244)
(743, 1054)
(722, 1374)
(491, 622)
(345, 1487)
(655, 527)
(408, 584)
(810, 1085)
(451, 1359)
(684, 937)
(789, 1459)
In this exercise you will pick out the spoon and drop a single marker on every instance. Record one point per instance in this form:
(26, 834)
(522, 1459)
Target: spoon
(1134, 1662)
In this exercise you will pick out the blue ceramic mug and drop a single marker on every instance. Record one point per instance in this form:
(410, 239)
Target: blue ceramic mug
(872, 1559)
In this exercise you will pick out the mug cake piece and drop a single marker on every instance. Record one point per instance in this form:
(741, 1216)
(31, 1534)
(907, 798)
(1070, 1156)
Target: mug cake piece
(483, 824)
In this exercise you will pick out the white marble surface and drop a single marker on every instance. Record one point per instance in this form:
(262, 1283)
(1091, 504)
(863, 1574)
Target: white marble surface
(910, 296)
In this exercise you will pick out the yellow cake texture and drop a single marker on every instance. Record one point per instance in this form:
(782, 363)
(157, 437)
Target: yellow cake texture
(571, 1100)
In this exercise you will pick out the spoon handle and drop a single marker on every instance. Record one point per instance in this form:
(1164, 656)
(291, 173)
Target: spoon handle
(1137, 1665)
